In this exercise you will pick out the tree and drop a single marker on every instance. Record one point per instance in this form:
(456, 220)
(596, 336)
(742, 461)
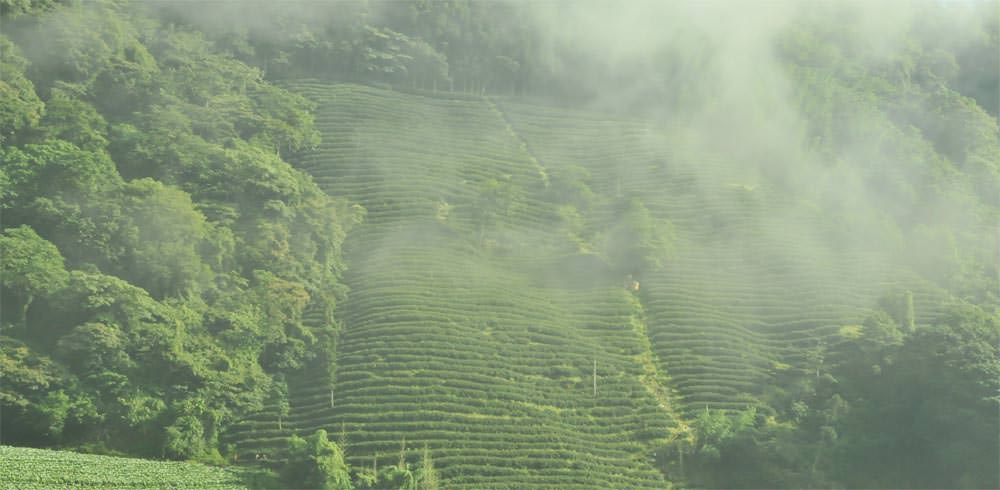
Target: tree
(185, 438)
(427, 67)
(69, 118)
(14, 8)
(279, 396)
(638, 242)
(929, 419)
(64, 193)
(93, 347)
(498, 200)
(979, 73)
(909, 321)
(21, 107)
(384, 54)
(164, 234)
(57, 169)
(315, 462)
(54, 408)
(399, 476)
(30, 267)
(39, 398)
(282, 120)
(162, 327)
(285, 338)
(142, 413)
(95, 47)
(427, 477)
(713, 429)
(683, 438)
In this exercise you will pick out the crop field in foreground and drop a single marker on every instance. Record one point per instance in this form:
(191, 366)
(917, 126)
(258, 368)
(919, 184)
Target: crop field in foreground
(30, 469)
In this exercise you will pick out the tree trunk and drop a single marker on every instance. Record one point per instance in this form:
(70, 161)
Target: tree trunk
(24, 312)
(680, 457)
(812, 470)
(909, 319)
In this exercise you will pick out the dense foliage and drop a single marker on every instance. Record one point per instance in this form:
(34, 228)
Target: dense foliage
(30, 469)
(174, 287)
(159, 253)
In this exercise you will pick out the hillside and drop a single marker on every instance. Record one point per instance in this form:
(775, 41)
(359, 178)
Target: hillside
(741, 294)
(477, 357)
(417, 245)
(723, 322)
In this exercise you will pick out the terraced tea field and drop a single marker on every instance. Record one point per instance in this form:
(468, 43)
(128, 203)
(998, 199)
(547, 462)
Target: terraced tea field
(477, 334)
(38, 469)
(449, 341)
(491, 372)
(742, 297)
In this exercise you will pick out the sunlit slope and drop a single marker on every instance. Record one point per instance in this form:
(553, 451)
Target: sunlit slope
(449, 339)
(407, 156)
(31, 469)
(758, 279)
(441, 348)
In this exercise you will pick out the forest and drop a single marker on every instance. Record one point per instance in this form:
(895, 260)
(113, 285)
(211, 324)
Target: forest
(465, 244)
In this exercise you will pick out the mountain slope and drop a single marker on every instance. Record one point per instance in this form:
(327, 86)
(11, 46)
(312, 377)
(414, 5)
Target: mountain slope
(452, 337)
(475, 332)
(758, 278)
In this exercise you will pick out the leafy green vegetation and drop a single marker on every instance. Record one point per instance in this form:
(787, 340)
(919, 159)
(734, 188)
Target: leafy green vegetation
(315, 463)
(28, 469)
(492, 245)
(159, 277)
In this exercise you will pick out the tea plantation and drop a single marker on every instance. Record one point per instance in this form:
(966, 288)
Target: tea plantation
(478, 340)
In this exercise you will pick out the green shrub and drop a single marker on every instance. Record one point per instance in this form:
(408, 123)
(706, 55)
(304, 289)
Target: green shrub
(315, 462)
(185, 439)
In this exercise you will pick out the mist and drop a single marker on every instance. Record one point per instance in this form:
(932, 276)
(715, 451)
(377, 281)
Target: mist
(506, 244)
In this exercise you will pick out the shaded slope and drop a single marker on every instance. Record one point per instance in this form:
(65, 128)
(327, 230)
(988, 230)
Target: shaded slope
(758, 278)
